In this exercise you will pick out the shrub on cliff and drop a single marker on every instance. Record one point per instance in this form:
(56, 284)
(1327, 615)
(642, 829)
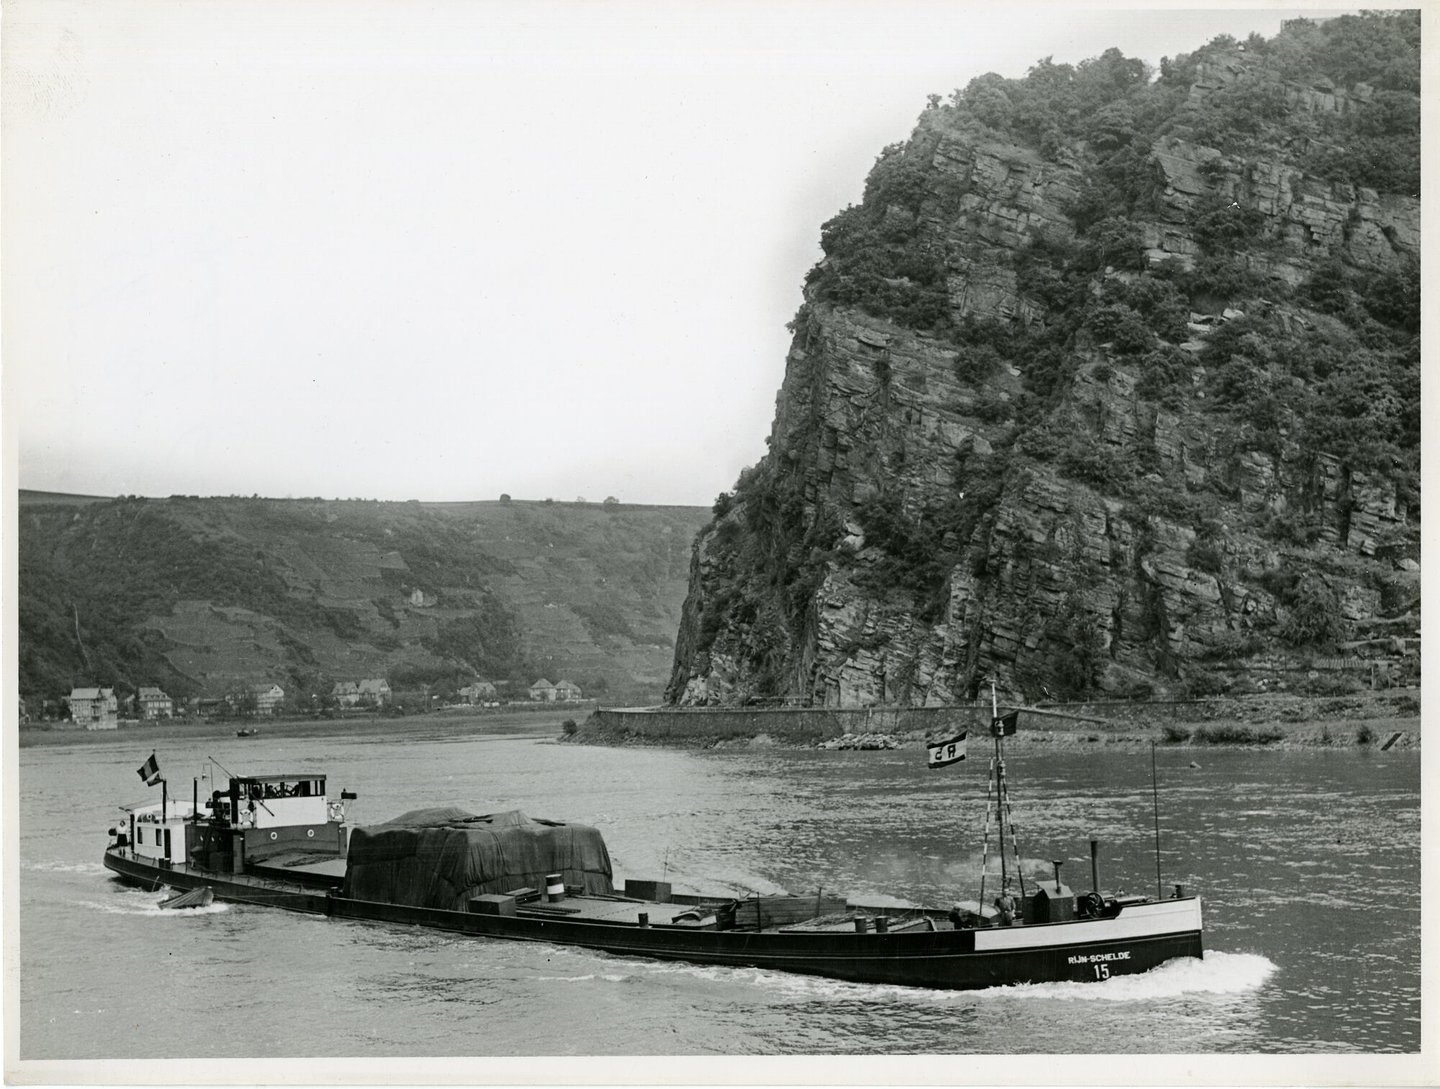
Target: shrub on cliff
(1122, 327)
(1374, 144)
(1222, 224)
(920, 548)
(1162, 305)
(975, 365)
(1205, 555)
(1072, 656)
(1096, 462)
(1114, 241)
(1165, 376)
(1218, 279)
(1201, 684)
(1314, 618)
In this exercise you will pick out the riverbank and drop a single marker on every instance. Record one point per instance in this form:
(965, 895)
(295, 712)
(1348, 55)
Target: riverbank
(1389, 719)
(1371, 720)
(547, 722)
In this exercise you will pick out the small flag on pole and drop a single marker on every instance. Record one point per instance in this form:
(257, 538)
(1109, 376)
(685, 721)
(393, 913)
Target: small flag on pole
(150, 771)
(1004, 726)
(945, 753)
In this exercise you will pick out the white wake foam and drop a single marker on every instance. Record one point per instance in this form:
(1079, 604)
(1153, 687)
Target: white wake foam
(54, 866)
(152, 908)
(1217, 973)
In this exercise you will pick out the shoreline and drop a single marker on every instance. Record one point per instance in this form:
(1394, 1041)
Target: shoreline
(537, 723)
(1338, 736)
(1389, 720)
(1364, 723)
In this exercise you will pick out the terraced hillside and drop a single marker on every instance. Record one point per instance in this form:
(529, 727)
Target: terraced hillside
(202, 596)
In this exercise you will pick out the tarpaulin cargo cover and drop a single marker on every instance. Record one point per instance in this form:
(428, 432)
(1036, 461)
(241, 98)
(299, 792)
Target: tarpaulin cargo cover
(441, 857)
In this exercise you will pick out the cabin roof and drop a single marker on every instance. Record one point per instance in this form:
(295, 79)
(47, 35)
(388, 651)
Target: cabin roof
(176, 809)
(280, 778)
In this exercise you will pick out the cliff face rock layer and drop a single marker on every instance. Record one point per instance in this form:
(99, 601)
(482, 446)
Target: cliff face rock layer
(1110, 385)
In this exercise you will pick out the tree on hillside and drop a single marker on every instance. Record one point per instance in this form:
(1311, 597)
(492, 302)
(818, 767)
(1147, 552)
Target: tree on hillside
(244, 702)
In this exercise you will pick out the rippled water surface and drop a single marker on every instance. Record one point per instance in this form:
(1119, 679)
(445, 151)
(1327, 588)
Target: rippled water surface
(1308, 862)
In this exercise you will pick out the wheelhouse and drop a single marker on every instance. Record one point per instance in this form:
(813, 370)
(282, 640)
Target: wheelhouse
(276, 801)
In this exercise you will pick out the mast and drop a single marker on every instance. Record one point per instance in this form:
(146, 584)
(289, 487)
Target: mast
(1155, 794)
(999, 786)
(997, 797)
(1003, 796)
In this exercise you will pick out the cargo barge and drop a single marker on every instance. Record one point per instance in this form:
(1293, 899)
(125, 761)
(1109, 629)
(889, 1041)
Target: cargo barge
(281, 841)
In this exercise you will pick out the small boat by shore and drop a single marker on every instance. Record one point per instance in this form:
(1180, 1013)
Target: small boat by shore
(281, 841)
(248, 731)
(200, 897)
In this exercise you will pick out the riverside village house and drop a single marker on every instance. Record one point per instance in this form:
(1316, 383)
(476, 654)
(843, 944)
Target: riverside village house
(152, 703)
(372, 691)
(94, 708)
(550, 693)
(481, 692)
(268, 698)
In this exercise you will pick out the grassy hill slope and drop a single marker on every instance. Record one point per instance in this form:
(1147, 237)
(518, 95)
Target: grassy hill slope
(204, 595)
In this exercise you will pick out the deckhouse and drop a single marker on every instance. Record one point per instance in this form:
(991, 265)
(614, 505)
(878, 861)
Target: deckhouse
(157, 830)
(254, 820)
(276, 801)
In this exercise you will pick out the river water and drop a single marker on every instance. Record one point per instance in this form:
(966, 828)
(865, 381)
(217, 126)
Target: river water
(1308, 863)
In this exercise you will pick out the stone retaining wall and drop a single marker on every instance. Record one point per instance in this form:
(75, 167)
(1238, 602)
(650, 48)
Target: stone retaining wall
(811, 725)
(797, 724)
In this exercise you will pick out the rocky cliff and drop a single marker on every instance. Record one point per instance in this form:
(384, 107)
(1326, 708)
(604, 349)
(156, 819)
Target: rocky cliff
(1109, 386)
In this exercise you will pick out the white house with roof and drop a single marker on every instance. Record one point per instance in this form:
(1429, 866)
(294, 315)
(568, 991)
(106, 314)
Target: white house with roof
(95, 708)
(567, 690)
(371, 690)
(152, 703)
(268, 698)
(542, 690)
(374, 690)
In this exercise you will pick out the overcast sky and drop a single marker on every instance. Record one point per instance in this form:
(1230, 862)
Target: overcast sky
(447, 250)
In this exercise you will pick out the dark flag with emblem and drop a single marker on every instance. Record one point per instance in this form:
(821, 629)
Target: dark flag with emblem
(945, 753)
(149, 771)
(1004, 726)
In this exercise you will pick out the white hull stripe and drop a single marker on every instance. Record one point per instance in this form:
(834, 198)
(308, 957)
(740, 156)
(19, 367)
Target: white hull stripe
(1139, 921)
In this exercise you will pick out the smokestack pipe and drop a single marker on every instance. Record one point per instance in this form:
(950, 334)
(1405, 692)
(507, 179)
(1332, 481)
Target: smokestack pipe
(1094, 863)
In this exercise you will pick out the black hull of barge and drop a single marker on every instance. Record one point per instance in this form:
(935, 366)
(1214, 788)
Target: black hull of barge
(941, 959)
(236, 888)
